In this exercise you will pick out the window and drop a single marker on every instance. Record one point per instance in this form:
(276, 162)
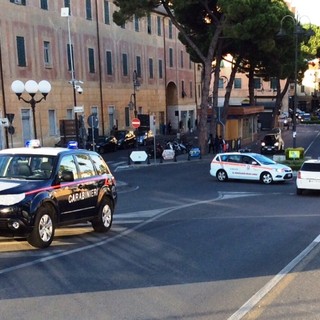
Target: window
(170, 57)
(220, 84)
(47, 53)
(109, 63)
(52, 122)
(70, 57)
(88, 10)
(191, 89)
(159, 31)
(70, 114)
(257, 83)
(234, 158)
(85, 165)
(181, 59)
(106, 12)
(136, 24)
(91, 60)
(127, 116)
(99, 164)
(273, 83)
(183, 92)
(170, 29)
(44, 4)
(149, 24)
(124, 64)
(67, 164)
(21, 2)
(150, 68)
(67, 5)
(94, 110)
(160, 69)
(138, 66)
(237, 83)
(21, 51)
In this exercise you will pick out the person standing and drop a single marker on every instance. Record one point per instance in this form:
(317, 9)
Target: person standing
(216, 144)
(210, 143)
(169, 127)
(221, 144)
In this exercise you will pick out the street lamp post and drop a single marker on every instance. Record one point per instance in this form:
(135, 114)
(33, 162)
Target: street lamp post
(302, 32)
(136, 86)
(76, 84)
(31, 87)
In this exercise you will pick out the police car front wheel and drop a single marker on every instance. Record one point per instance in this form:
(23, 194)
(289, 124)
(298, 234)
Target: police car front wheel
(103, 222)
(43, 230)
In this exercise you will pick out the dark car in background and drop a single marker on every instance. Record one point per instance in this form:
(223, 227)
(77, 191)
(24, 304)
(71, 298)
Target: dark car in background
(305, 117)
(125, 139)
(103, 144)
(145, 137)
(272, 143)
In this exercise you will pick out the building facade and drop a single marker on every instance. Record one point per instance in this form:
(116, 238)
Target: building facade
(140, 67)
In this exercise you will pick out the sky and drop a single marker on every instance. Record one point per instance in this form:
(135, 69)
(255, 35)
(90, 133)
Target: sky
(307, 9)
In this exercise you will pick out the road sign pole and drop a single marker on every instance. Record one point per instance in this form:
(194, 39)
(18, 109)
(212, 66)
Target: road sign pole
(136, 124)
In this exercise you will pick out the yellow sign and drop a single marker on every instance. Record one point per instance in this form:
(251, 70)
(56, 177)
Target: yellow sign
(294, 154)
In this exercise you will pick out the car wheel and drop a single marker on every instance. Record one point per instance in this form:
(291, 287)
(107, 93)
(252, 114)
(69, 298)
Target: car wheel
(266, 177)
(299, 191)
(222, 176)
(44, 227)
(103, 222)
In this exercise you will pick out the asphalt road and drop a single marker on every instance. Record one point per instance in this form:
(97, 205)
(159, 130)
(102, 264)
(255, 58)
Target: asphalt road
(183, 246)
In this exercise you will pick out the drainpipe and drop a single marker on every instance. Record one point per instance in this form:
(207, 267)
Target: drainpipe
(3, 97)
(99, 66)
(165, 65)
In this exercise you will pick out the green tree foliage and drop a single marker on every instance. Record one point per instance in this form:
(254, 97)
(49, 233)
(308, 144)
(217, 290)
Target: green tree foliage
(312, 47)
(200, 25)
(247, 29)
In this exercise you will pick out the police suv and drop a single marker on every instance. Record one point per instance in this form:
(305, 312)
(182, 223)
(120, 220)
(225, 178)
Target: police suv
(44, 188)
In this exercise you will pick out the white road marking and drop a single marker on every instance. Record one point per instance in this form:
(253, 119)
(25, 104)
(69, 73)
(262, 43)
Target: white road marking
(254, 300)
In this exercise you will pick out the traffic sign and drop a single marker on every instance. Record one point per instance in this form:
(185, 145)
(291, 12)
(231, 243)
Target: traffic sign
(78, 109)
(93, 121)
(138, 156)
(168, 154)
(4, 122)
(135, 123)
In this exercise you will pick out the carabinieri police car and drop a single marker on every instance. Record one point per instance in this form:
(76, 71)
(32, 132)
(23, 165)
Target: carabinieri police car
(44, 188)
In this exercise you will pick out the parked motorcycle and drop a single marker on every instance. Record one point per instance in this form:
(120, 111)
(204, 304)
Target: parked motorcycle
(159, 151)
(177, 146)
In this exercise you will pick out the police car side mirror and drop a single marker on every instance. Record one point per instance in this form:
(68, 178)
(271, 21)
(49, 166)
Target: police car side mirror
(67, 176)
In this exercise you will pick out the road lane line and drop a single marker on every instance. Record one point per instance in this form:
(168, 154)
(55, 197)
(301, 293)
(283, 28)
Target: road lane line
(254, 300)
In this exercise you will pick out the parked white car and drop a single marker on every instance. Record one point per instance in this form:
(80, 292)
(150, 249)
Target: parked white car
(308, 177)
(248, 166)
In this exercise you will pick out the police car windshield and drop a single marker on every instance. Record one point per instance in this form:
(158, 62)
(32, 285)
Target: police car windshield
(31, 167)
(263, 160)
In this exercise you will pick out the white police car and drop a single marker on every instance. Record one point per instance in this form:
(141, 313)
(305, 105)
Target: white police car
(248, 166)
(44, 188)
